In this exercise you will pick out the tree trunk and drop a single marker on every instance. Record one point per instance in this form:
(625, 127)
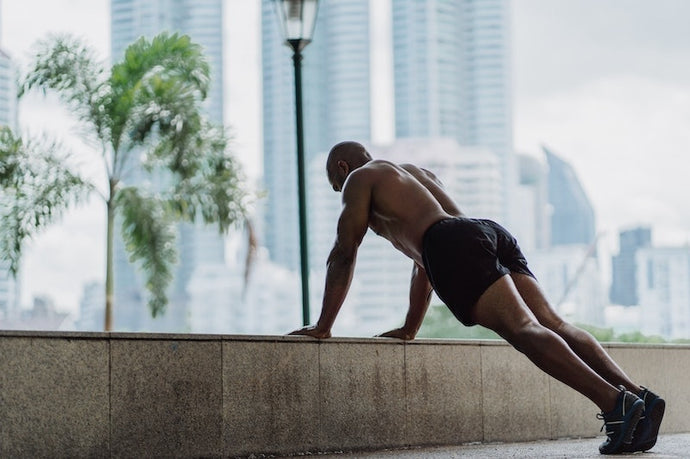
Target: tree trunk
(109, 290)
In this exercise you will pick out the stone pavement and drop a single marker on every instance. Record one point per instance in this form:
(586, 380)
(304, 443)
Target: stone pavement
(668, 446)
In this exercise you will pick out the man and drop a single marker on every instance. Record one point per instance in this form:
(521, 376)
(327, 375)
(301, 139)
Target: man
(477, 269)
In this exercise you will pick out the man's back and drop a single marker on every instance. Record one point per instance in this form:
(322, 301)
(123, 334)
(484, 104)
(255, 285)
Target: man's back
(404, 201)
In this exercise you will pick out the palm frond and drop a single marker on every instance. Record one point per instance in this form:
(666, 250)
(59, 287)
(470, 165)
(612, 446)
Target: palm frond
(67, 66)
(36, 187)
(214, 192)
(156, 87)
(149, 236)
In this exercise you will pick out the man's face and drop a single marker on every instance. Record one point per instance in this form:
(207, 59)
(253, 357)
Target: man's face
(337, 175)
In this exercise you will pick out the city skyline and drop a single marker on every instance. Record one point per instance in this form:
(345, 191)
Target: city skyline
(636, 104)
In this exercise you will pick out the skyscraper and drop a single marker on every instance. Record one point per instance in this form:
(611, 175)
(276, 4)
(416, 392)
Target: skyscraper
(663, 289)
(572, 220)
(624, 265)
(202, 20)
(336, 87)
(452, 76)
(451, 79)
(532, 229)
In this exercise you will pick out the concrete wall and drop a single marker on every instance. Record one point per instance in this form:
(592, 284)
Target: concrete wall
(126, 395)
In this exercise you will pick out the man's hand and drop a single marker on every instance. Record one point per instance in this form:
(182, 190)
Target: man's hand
(313, 331)
(399, 333)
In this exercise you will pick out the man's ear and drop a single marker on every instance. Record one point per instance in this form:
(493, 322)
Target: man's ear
(342, 165)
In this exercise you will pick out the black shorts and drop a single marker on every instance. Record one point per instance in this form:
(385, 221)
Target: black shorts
(464, 256)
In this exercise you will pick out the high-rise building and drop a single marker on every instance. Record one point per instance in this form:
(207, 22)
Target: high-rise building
(336, 84)
(663, 289)
(532, 229)
(572, 217)
(571, 280)
(92, 307)
(452, 76)
(452, 80)
(623, 266)
(558, 234)
(202, 20)
(267, 301)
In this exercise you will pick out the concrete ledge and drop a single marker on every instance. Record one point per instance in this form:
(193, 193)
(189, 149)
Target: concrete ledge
(125, 395)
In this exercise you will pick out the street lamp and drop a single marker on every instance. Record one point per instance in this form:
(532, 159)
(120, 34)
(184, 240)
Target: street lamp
(297, 19)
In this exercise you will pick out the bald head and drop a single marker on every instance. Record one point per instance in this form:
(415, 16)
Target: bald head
(353, 153)
(343, 159)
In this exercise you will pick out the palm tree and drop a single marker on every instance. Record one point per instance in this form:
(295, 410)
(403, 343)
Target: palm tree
(143, 114)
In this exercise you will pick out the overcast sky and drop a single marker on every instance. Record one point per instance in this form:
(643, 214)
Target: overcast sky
(603, 83)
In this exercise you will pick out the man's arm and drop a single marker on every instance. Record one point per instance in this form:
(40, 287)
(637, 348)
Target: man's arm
(352, 226)
(420, 296)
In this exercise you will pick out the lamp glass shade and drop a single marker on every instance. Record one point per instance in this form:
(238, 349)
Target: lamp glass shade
(297, 18)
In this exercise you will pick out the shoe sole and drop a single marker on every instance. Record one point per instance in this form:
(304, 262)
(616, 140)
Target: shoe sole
(630, 421)
(656, 416)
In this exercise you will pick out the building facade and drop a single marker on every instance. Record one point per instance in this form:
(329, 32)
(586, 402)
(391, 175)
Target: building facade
(663, 289)
(452, 77)
(572, 214)
(451, 86)
(570, 277)
(533, 228)
(336, 85)
(91, 307)
(624, 267)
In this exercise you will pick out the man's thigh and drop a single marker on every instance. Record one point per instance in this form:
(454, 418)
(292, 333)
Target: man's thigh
(536, 300)
(502, 309)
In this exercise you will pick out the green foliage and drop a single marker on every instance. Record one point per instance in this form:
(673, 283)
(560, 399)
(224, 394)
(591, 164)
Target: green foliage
(681, 341)
(602, 335)
(608, 335)
(214, 191)
(441, 323)
(36, 187)
(69, 68)
(638, 337)
(145, 113)
(149, 236)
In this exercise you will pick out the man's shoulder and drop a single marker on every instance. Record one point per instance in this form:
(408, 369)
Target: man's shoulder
(358, 179)
(371, 169)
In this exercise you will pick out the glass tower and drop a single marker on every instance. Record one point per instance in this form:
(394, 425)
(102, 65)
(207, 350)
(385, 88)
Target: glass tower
(624, 266)
(572, 220)
(452, 73)
(336, 92)
(437, 46)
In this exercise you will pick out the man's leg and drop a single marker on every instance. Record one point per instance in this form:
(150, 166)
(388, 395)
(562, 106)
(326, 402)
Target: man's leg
(591, 352)
(581, 342)
(502, 309)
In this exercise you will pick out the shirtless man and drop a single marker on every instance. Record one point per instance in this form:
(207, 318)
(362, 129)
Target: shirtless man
(478, 271)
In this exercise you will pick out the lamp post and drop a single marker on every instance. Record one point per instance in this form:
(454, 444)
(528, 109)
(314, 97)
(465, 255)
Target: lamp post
(297, 19)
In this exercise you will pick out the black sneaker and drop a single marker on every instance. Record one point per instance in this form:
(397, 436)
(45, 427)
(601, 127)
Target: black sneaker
(647, 429)
(620, 423)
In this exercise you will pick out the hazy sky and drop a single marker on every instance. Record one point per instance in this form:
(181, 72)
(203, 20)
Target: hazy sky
(603, 83)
